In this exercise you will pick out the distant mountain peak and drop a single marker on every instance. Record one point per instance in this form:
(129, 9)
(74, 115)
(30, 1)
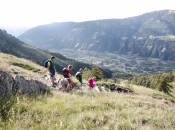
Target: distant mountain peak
(121, 35)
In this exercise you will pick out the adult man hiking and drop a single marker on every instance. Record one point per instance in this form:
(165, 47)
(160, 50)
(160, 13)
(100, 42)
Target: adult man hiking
(52, 70)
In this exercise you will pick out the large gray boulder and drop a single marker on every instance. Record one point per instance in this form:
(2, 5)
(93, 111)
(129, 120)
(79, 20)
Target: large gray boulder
(6, 84)
(28, 87)
(62, 84)
(19, 85)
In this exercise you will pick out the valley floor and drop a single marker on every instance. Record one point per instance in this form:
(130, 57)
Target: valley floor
(129, 63)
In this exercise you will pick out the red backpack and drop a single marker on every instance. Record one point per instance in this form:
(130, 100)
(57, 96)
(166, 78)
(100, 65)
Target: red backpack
(65, 73)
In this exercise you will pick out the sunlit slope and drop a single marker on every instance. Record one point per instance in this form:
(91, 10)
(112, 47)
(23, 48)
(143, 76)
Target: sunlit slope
(89, 110)
(149, 35)
(82, 109)
(13, 46)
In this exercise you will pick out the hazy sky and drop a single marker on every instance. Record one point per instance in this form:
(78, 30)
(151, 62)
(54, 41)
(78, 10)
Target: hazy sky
(29, 13)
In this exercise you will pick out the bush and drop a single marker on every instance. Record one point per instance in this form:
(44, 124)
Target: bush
(26, 66)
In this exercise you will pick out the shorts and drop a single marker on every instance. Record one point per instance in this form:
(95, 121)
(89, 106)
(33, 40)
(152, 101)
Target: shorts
(81, 82)
(52, 73)
(92, 86)
(69, 80)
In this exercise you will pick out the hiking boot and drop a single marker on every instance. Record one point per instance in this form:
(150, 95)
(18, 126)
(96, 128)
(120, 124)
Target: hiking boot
(54, 86)
(55, 83)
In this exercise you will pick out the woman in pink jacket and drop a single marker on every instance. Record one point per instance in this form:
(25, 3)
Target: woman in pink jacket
(91, 82)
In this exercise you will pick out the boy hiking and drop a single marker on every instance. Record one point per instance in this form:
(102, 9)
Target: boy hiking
(79, 77)
(67, 75)
(52, 70)
(91, 82)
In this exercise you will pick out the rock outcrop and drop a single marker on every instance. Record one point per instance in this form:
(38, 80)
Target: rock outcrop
(62, 84)
(10, 86)
(120, 89)
(6, 84)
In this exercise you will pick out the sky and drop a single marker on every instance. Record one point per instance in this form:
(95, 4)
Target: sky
(30, 13)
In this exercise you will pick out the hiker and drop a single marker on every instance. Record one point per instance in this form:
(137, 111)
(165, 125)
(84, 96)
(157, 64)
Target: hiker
(67, 75)
(91, 82)
(52, 70)
(79, 77)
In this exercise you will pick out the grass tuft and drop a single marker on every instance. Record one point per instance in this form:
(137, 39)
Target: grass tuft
(26, 66)
(86, 110)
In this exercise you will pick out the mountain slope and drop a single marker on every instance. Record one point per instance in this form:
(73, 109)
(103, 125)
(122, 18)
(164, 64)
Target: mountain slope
(151, 34)
(13, 46)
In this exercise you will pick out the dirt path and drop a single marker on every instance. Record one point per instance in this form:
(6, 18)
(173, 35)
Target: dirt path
(28, 74)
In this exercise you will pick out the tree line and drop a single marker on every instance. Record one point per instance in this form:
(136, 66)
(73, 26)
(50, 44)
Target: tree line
(159, 81)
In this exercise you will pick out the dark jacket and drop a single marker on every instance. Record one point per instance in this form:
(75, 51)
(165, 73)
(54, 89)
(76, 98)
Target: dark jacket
(79, 76)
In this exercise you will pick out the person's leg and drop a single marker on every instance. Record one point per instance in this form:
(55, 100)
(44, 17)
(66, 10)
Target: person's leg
(68, 87)
(53, 79)
(69, 84)
(81, 83)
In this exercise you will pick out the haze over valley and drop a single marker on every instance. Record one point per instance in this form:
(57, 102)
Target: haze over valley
(148, 35)
(142, 44)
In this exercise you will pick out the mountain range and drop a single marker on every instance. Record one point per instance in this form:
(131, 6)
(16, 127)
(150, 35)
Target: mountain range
(11, 45)
(15, 31)
(149, 35)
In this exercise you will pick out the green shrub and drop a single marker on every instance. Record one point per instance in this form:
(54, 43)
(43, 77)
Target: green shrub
(5, 105)
(26, 66)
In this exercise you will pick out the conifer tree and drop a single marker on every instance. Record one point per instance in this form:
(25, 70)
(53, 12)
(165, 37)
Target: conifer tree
(163, 84)
(87, 73)
(97, 72)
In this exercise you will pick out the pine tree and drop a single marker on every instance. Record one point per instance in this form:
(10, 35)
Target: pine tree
(163, 84)
(97, 72)
(87, 73)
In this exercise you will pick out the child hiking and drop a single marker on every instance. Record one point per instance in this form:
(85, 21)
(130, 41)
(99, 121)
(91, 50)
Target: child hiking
(67, 75)
(91, 82)
(52, 70)
(79, 77)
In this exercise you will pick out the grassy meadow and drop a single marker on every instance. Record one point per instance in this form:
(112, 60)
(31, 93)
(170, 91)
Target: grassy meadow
(87, 110)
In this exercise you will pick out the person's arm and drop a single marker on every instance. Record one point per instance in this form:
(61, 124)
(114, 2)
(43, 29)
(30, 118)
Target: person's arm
(69, 75)
(55, 69)
(92, 81)
(49, 68)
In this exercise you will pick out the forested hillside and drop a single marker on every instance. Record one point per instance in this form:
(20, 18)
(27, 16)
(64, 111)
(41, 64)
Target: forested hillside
(11, 45)
(159, 81)
(149, 35)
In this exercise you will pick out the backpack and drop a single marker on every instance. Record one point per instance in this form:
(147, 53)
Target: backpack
(46, 63)
(65, 72)
(77, 75)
